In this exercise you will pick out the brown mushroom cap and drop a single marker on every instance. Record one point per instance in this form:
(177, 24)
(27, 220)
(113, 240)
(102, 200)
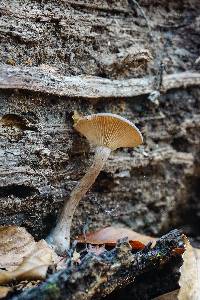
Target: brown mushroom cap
(109, 130)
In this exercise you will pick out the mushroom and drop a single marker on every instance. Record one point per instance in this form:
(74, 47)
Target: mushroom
(107, 132)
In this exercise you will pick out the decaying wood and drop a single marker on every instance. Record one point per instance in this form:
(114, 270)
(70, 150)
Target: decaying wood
(38, 80)
(57, 58)
(98, 276)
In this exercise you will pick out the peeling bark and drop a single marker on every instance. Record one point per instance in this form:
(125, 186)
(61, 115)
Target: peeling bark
(37, 80)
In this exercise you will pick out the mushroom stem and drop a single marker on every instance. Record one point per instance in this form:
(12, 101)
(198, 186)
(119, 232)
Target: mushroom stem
(59, 238)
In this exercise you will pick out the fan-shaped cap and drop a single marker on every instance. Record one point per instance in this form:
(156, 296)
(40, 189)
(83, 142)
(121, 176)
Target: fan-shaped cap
(109, 130)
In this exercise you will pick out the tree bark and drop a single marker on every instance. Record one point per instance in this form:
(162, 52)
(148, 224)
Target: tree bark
(139, 59)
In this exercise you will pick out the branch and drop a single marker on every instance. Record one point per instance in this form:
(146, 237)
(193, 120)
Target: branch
(39, 80)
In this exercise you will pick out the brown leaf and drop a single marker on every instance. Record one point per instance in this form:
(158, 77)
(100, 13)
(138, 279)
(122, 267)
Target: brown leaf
(33, 267)
(110, 235)
(22, 257)
(178, 251)
(190, 274)
(15, 244)
(4, 290)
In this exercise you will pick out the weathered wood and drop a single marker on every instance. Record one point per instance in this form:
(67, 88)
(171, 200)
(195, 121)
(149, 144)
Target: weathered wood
(58, 57)
(38, 80)
(95, 49)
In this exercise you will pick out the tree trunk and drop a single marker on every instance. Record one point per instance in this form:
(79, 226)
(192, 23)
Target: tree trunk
(139, 59)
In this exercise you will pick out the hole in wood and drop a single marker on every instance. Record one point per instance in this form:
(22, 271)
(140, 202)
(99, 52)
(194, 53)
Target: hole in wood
(20, 191)
(13, 120)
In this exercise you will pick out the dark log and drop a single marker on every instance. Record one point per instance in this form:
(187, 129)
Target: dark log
(98, 276)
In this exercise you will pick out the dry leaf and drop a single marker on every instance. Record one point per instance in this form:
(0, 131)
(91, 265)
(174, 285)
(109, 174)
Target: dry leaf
(4, 290)
(33, 267)
(22, 257)
(179, 251)
(110, 235)
(190, 274)
(15, 244)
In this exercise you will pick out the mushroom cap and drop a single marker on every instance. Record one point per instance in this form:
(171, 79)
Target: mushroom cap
(109, 130)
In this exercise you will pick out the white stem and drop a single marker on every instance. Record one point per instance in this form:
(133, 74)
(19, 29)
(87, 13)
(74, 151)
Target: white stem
(60, 235)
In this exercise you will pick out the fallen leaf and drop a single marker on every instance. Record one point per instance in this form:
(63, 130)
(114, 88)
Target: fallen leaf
(15, 244)
(179, 251)
(33, 267)
(190, 274)
(137, 245)
(22, 257)
(4, 290)
(110, 235)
